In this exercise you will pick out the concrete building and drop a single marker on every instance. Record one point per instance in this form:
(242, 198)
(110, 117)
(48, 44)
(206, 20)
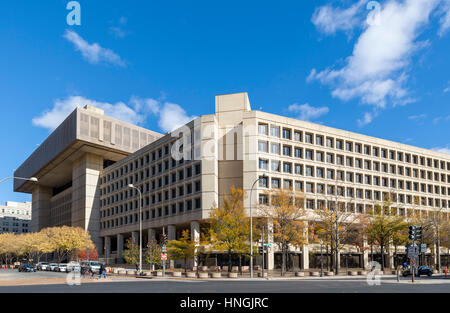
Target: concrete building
(182, 175)
(15, 217)
(69, 163)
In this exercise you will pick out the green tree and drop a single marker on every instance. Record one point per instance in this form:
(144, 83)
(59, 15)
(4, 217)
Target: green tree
(131, 253)
(153, 254)
(182, 249)
(229, 226)
(286, 212)
(384, 226)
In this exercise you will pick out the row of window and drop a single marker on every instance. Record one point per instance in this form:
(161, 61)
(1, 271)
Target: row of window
(355, 163)
(319, 172)
(176, 208)
(350, 146)
(173, 193)
(173, 178)
(340, 191)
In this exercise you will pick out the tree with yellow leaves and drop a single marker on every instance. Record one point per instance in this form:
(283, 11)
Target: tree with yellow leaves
(230, 227)
(182, 249)
(385, 226)
(68, 240)
(7, 242)
(286, 212)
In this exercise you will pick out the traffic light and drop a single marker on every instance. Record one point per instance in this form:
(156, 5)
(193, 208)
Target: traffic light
(164, 240)
(412, 232)
(418, 236)
(415, 233)
(260, 250)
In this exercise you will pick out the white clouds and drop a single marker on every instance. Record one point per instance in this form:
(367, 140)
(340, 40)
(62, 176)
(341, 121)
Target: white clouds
(93, 53)
(136, 111)
(51, 119)
(367, 118)
(376, 71)
(306, 112)
(118, 31)
(329, 20)
(173, 116)
(417, 117)
(442, 149)
(445, 18)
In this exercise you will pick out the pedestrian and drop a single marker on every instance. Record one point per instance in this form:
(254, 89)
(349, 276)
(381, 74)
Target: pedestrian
(102, 271)
(405, 265)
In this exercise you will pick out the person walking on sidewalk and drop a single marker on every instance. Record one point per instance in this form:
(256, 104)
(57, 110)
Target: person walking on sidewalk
(102, 271)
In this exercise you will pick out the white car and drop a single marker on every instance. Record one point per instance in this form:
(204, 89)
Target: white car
(51, 267)
(93, 265)
(73, 267)
(61, 268)
(42, 266)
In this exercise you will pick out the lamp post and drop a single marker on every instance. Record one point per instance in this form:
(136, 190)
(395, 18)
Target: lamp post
(251, 225)
(321, 258)
(32, 179)
(140, 226)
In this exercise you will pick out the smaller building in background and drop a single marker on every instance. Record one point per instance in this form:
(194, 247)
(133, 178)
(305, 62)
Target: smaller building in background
(15, 217)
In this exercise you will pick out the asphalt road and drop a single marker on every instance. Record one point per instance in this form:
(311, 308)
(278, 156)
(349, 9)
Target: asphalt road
(287, 286)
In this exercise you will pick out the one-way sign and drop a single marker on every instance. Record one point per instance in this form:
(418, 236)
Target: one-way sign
(413, 251)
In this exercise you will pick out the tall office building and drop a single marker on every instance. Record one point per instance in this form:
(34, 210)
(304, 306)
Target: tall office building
(183, 174)
(15, 217)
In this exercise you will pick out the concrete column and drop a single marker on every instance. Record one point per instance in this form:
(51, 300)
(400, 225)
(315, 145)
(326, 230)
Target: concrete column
(365, 253)
(305, 248)
(151, 234)
(270, 251)
(119, 246)
(390, 258)
(107, 249)
(135, 236)
(86, 195)
(171, 235)
(195, 236)
(40, 211)
(171, 232)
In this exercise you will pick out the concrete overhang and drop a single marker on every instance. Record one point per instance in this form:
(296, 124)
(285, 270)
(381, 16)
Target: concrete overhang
(52, 162)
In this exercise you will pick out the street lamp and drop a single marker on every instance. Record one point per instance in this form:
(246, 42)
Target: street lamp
(251, 225)
(32, 179)
(131, 186)
(321, 258)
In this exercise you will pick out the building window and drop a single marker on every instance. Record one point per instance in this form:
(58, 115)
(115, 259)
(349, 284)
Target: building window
(275, 131)
(263, 129)
(263, 164)
(262, 146)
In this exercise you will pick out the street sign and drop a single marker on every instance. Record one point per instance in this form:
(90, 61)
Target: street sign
(164, 257)
(413, 251)
(423, 248)
(413, 261)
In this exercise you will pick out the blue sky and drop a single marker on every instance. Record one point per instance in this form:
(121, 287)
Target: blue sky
(383, 72)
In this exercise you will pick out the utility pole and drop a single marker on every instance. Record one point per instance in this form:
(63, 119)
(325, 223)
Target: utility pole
(164, 244)
(321, 258)
(263, 250)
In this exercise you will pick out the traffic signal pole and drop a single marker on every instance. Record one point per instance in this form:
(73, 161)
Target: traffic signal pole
(263, 252)
(164, 261)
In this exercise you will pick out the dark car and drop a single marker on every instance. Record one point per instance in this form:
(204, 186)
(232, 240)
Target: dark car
(26, 268)
(422, 270)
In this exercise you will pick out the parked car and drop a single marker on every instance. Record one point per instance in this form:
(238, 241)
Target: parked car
(26, 268)
(51, 267)
(93, 265)
(62, 267)
(73, 267)
(422, 270)
(42, 266)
